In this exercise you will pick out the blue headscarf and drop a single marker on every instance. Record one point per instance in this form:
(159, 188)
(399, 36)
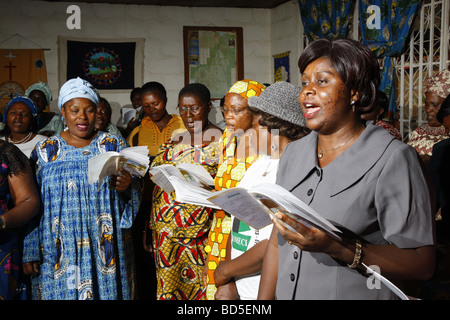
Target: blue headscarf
(77, 88)
(28, 102)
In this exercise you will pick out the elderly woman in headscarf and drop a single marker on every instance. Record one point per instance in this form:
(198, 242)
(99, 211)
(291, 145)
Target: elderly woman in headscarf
(424, 137)
(81, 248)
(236, 159)
(50, 123)
(21, 120)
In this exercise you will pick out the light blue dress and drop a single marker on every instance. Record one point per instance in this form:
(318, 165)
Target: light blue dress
(83, 240)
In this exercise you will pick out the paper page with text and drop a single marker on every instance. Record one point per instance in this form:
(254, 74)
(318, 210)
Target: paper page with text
(198, 171)
(238, 202)
(96, 164)
(295, 208)
(128, 114)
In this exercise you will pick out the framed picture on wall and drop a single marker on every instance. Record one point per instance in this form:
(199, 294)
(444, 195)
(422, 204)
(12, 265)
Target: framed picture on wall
(213, 56)
(109, 64)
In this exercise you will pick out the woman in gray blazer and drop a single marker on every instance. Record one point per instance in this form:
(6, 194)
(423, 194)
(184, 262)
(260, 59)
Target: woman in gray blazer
(357, 176)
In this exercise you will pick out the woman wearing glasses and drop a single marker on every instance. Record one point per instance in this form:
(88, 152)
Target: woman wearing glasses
(180, 230)
(236, 159)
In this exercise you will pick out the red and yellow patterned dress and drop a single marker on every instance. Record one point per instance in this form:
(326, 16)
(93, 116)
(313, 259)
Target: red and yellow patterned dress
(230, 172)
(180, 230)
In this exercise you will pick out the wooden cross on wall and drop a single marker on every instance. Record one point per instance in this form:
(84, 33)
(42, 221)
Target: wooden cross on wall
(10, 56)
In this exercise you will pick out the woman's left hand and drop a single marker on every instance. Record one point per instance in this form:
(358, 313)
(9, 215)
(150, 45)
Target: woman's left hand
(122, 181)
(308, 239)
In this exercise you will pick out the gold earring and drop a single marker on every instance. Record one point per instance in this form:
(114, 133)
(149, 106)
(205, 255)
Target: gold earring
(353, 105)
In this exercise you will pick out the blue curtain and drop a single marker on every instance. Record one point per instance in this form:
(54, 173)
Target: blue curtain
(385, 32)
(326, 18)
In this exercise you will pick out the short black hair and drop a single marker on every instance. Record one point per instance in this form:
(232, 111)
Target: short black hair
(356, 65)
(383, 102)
(154, 86)
(197, 89)
(136, 90)
(107, 104)
(444, 110)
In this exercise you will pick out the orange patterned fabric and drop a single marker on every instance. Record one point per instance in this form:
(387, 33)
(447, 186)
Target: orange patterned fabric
(229, 173)
(247, 88)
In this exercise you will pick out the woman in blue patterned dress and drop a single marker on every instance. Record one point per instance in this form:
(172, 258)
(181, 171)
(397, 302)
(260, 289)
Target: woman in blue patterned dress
(19, 202)
(82, 248)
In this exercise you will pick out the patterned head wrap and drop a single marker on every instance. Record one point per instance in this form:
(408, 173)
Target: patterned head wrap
(439, 84)
(247, 88)
(25, 100)
(40, 86)
(77, 88)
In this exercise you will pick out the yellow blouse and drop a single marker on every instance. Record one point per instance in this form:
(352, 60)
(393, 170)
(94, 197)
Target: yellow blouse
(150, 135)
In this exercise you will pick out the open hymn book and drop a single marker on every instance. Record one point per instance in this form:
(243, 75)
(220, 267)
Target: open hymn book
(192, 182)
(256, 207)
(129, 114)
(133, 159)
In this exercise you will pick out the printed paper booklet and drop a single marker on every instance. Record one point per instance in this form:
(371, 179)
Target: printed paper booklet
(133, 159)
(192, 182)
(257, 205)
(254, 206)
(130, 114)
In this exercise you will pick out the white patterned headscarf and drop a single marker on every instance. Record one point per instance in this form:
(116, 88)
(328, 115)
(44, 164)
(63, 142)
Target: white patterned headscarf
(77, 88)
(439, 84)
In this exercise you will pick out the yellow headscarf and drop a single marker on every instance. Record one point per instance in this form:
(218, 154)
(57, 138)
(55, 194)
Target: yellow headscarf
(247, 88)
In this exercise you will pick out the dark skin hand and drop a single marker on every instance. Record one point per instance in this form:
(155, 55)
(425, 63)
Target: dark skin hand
(121, 182)
(396, 263)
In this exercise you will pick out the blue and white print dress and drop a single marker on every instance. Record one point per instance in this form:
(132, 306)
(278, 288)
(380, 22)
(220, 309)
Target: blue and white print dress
(83, 240)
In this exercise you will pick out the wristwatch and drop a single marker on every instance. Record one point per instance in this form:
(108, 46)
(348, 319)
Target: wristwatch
(2, 223)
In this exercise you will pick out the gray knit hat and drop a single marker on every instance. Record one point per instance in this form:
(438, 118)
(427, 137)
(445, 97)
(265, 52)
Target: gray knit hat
(280, 100)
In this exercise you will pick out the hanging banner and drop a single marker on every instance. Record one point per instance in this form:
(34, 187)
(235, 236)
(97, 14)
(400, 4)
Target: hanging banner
(281, 67)
(19, 68)
(115, 64)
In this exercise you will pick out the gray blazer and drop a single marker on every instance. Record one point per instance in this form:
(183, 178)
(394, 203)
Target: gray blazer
(375, 189)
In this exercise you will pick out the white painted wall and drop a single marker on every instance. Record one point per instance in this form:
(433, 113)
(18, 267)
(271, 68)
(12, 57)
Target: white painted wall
(286, 35)
(265, 32)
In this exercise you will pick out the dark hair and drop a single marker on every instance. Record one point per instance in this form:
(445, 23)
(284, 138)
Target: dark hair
(197, 89)
(154, 86)
(444, 110)
(355, 64)
(134, 91)
(107, 105)
(285, 128)
(15, 159)
(383, 102)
